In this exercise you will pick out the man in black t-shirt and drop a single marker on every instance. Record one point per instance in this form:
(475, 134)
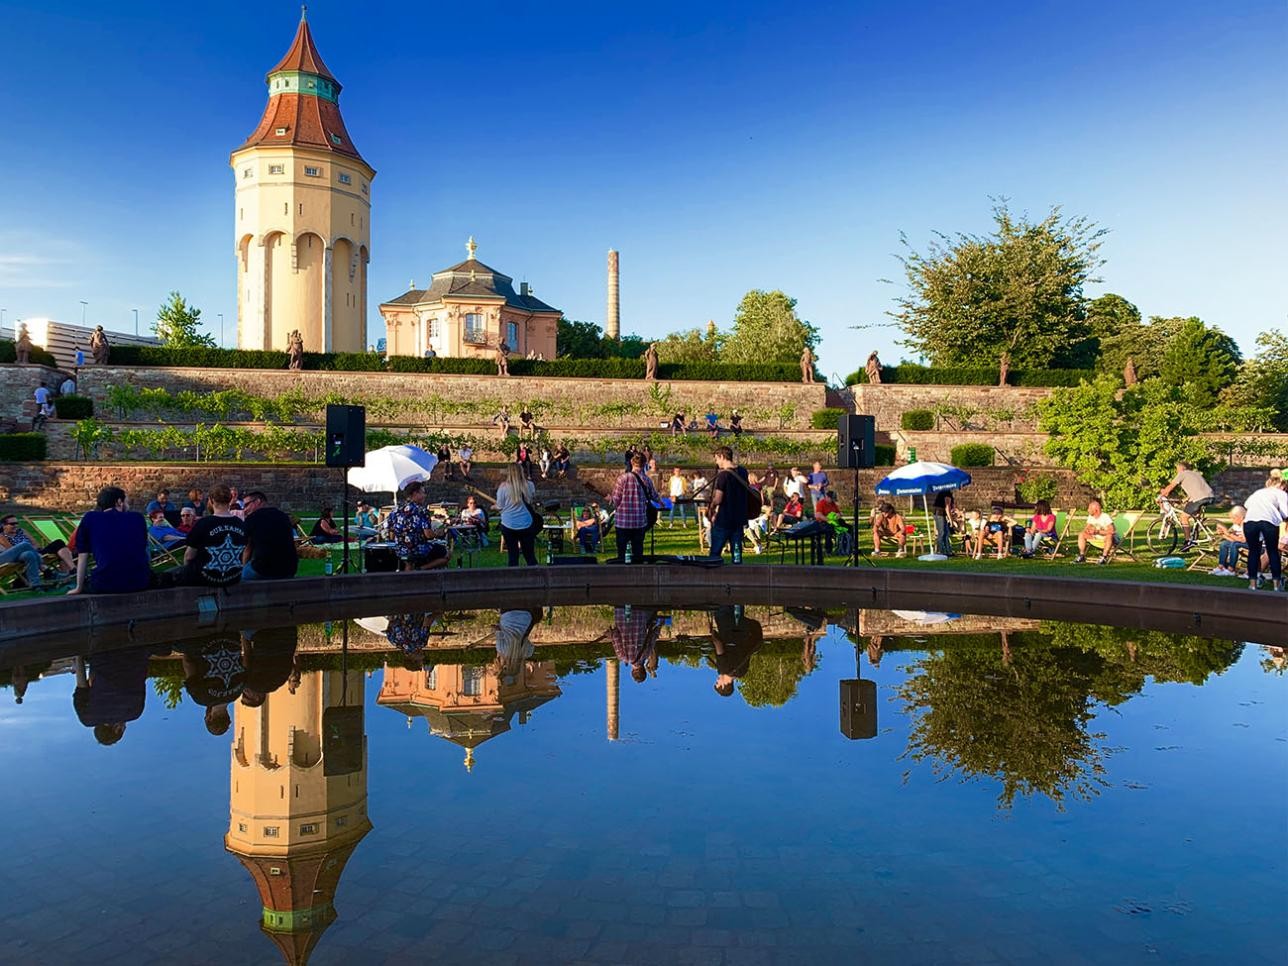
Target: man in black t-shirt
(270, 541)
(728, 508)
(215, 544)
(734, 638)
(214, 676)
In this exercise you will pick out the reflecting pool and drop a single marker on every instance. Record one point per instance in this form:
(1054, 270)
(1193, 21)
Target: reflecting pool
(623, 785)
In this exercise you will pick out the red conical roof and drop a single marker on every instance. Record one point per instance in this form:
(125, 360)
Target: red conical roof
(303, 54)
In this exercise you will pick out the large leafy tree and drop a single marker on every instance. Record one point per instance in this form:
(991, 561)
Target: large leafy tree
(178, 323)
(585, 340)
(766, 328)
(1017, 291)
(1263, 380)
(1205, 360)
(1108, 317)
(1123, 443)
(690, 346)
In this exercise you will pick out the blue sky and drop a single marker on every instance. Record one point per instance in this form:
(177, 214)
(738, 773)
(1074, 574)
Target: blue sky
(719, 147)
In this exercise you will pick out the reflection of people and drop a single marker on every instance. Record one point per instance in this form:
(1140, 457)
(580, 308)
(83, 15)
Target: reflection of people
(735, 639)
(635, 632)
(513, 644)
(268, 656)
(214, 676)
(112, 692)
(410, 632)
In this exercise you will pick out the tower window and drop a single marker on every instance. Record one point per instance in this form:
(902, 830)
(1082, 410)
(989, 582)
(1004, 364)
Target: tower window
(342, 821)
(309, 829)
(241, 826)
(277, 169)
(364, 187)
(280, 132)
(247, 172)
(270, 831)
(345, 179)
(312, 172)
(336, 139)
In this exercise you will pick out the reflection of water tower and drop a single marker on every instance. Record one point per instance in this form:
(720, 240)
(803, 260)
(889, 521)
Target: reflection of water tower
(468, 704)
(298, 802)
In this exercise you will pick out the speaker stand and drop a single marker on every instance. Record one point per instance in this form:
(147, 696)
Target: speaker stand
(855, 553)
(344, 502)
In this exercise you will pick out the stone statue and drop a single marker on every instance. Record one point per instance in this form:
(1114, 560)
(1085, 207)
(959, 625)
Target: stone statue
(650, 361)
(1003, 368)
(1129, 372)
(873, 368)
(295, 350)
(99, 346)
(807, 366)
(23, 345)
(502, 358)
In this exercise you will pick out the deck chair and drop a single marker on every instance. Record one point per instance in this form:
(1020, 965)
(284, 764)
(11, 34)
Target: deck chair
(1063, 527)
(1125, 525)
(9, 573)
(159, 555)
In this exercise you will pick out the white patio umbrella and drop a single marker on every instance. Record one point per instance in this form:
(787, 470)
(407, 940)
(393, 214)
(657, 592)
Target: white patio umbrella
(390, 468)
(921, 478)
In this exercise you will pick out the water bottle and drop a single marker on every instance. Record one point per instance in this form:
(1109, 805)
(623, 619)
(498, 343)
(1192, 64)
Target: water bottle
(550, 553)
(736, 552)
(328, 568)
(629, 555)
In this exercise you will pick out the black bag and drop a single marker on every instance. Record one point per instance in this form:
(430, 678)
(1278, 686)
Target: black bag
(538, 521)
(651, 509)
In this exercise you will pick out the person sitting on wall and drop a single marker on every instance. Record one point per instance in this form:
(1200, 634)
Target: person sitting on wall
(735, 423)
(678, 427)
(1099, 532)
(1041, 528)
(325, 530)
(501, 420)
(444, 458)
(413, 534)
(713, 424)
(527, 424)
(887, 524)
(117, 538)
(464, 460)
(159, 529)
(563, 461)
(216, 543)
(270, 552)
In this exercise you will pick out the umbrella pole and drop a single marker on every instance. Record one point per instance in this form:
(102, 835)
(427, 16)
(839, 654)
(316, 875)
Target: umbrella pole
(925, 506)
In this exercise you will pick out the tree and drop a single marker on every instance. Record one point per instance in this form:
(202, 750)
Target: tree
(578, 340)
(690, 346)
(1263, 380)
(771, 680)
(1108, 317)
(767, 329)
(177, 325)
(1017, 291)
(1203, 359)
(1123, 443)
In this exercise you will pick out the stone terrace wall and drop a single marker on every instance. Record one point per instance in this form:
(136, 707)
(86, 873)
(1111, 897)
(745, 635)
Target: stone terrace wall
(888, 401)
(18, 386)
(692, 397)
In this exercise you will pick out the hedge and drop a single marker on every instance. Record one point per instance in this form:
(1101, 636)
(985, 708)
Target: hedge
(971, 454)
(917, 419)
(74, 407)
(885, 454)
(371, 362)
(22, 447)
(961, 376)
(827, 418)
(9, 353)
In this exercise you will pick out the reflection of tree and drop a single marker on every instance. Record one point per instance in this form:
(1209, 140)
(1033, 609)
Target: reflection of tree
(170, 688)
(771, 679)
(1020, 715)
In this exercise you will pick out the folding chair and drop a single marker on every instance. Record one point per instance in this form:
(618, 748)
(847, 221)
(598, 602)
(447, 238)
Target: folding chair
(8, 574)
(1125, 527)
(1062, 530)
(159, 555)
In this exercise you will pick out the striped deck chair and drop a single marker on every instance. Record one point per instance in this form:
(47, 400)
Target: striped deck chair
(1064, 521)
(8, 574)
(159, 555)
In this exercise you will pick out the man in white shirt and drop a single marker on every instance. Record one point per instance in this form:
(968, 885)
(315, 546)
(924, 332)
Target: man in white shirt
(1099, 532)
(679, 490)
(68, 388)
(44, 405)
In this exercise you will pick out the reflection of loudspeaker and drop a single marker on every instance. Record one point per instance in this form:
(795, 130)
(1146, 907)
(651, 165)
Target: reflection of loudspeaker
(856, 442)
(341, 741)
(346, 432)
(858, 708)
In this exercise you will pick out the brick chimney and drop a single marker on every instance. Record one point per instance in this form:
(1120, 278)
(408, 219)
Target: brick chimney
(613, 320)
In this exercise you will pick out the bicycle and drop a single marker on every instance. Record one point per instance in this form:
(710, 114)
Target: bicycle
(1166, 531)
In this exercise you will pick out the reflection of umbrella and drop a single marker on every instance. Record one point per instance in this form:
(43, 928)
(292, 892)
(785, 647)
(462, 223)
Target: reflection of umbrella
(377, 625)
(925, 616)
(920, 478)
(390, 468)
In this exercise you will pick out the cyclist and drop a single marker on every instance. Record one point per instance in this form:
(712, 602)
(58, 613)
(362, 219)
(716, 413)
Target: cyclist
(1198, 494)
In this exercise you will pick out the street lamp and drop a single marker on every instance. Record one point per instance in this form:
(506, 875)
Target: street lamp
(221, 330)
(136, 321)
(84, 306)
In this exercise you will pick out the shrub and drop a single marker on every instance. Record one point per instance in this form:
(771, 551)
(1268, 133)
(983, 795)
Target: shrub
(74, 407)
(916, 420)
(827, 418)
(1043, 486)
(961, 376)
(22, 447)
(885, 454)
(972, 454)
(9, 353)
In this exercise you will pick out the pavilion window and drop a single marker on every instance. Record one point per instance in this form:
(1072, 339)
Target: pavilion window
(475, 327)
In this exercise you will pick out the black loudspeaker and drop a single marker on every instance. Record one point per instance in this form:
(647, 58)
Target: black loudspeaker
(379, 558)
(856, 442)
(346, 435)
(858, 708)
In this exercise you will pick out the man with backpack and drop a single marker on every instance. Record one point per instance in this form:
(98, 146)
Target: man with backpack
(731, 506)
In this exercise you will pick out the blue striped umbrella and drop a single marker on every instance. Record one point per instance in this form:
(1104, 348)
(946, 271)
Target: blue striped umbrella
(919, 479)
